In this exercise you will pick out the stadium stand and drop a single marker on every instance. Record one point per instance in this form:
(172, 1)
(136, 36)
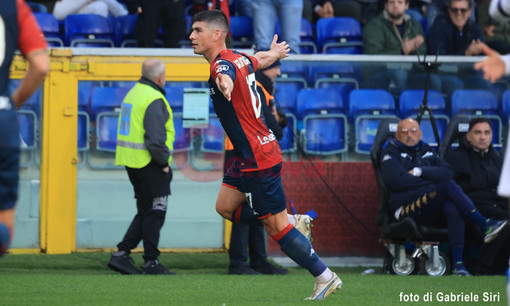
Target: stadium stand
(409, 104)
(88, 31)
(50, 27)
(324, 121)
(366, 109)
(339, 35)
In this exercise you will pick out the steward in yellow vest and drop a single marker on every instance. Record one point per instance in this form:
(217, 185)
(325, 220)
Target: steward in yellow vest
(145, 140)
(146, 129)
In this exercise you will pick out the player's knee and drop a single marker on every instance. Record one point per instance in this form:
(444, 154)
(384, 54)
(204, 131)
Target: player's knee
(223, 212)
(5, 238)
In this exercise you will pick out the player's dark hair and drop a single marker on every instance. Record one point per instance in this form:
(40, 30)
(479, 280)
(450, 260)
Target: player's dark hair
(477, 120)
(215, 17)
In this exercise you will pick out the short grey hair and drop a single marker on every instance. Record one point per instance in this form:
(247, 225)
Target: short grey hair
(152, 68)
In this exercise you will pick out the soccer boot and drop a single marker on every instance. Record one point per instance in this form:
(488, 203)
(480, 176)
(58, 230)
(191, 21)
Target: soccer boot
(322, 291)
(493, 229)
(123, 264)
(304, 225)
(155, 267)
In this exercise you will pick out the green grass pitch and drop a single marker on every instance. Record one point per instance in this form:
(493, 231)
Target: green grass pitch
(84, 279)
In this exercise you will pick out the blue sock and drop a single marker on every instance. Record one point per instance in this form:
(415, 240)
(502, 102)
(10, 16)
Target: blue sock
(458, 254)
(299, 249)
(5, 238)
(244, 214)
(478, 219)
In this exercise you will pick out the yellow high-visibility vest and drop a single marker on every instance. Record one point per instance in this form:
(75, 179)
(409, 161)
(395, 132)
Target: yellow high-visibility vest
(131, 150)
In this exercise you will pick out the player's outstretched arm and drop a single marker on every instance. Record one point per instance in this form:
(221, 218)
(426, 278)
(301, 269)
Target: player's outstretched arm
(38, 69)
(277, 51)
(225, 85)
(493, 67)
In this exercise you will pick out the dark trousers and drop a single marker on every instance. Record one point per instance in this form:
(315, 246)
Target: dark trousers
(247, 237)
(443, 200)
(152, 187)
(169, 14)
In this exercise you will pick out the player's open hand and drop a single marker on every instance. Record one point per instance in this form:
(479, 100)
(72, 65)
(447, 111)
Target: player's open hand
(282, 49)
(225, 85)
(493, 67)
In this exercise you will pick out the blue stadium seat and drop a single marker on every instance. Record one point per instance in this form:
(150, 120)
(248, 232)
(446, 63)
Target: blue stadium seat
(294, 72)
(367, 107)
(83, 130)
(286, 95)
(124, 31)
(182, 135)
(410, 102)
(28, 129)
(50, 28)
(288, 143)
(333, 70)
(33, 103)
(175, 97)
(479, 103)
(241, 29)
(343, 77)
(213, 136)
(506, 106)
(88, 31)
(324, 121)
(339, 35)
(307, 44)
(105, 104)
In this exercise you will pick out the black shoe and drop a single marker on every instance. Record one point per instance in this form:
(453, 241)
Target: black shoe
(154, 267)
(242, 270)
(123, 264)
(269, 268)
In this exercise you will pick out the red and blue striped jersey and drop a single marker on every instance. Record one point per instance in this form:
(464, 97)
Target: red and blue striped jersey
(254, 143)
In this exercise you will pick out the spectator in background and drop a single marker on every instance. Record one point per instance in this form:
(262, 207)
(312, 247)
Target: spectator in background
(496, 34)
(455, 33)
(391, 32)
(243, 8)
(62, 8)
(22, 33)
(265, 13)
(477, 168)
(152, 14)
(361, 10)
(420, 186)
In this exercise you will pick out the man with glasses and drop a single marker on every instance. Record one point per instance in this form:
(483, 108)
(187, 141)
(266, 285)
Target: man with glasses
(455, 33)
(421, 187)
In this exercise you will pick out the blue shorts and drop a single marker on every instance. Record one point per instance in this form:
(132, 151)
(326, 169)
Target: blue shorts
(263, 189)
(9, 176)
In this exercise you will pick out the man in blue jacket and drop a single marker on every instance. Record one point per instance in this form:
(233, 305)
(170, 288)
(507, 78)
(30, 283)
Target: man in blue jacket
(455, 33)
(421, 187)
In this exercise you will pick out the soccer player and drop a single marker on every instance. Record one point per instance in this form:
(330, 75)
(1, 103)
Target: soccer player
(18, 30)
(254, 178)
